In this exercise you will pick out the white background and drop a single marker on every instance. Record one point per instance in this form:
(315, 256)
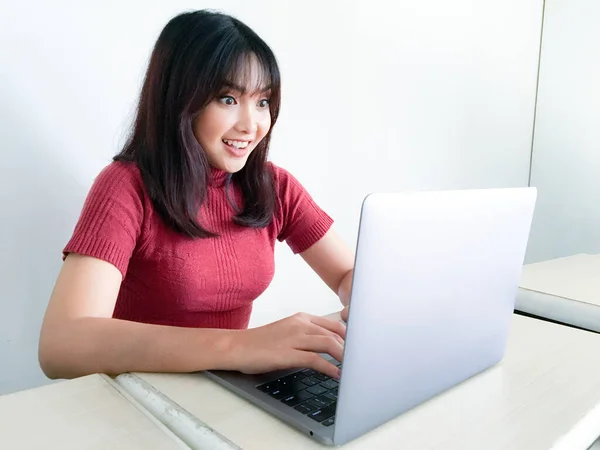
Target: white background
(377, 95)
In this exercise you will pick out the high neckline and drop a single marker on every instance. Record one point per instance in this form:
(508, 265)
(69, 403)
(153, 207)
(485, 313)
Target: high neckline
(217, 177)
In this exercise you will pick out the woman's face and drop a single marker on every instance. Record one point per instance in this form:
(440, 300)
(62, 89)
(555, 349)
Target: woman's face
(234, 123)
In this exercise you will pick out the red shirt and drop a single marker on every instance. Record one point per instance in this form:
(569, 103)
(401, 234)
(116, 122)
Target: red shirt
(172, 279)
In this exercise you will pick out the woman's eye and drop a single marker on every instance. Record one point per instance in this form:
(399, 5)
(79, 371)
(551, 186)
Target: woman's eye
(263, 103)
(227, 100)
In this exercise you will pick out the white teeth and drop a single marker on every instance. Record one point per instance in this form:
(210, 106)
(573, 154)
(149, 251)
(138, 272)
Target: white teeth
(236, 144)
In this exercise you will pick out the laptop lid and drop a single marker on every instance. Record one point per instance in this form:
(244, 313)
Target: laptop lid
(434, 288)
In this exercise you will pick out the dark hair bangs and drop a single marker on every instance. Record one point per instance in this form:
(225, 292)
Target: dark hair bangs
(242, 63)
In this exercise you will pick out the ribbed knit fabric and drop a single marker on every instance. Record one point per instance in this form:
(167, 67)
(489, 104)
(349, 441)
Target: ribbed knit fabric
(172, 279)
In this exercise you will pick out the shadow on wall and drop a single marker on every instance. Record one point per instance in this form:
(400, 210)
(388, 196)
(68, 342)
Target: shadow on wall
(41, 202)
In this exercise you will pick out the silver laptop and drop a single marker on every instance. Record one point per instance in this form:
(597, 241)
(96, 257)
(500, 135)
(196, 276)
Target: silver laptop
(435, 280)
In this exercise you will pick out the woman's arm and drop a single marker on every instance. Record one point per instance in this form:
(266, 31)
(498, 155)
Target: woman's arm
(80, 337)
(333, 261)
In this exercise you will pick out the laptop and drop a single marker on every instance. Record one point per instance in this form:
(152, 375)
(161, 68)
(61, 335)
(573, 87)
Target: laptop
(435, 279)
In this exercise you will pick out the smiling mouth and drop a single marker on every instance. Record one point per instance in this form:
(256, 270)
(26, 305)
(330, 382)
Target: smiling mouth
(239, 145)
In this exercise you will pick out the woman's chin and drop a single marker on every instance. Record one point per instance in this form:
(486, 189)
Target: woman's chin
(233, 165)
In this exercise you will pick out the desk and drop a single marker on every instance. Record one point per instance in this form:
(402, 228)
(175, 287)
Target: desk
(544, 394)
(565, 290)
(86, 413)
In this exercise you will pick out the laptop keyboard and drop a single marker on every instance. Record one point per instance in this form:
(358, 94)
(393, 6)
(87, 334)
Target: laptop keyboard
(307, 391)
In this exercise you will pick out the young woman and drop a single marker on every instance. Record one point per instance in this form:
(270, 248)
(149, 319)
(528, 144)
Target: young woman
(176, 237)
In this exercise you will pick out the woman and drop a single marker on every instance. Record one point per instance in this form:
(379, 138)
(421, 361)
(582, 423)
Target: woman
(176, 236)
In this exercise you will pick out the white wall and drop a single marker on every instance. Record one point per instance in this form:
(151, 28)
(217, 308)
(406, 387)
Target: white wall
(377, 95)
(566, 153)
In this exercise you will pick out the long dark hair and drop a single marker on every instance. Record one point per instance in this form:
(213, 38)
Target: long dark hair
(196, 55)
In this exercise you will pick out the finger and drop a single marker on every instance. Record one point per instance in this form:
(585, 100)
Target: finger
(318, 363)
(344, 314)
(320, 331)
(334, 326)
(322, 344)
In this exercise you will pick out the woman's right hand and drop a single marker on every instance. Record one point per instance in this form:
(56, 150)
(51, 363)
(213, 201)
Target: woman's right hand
(293, 342)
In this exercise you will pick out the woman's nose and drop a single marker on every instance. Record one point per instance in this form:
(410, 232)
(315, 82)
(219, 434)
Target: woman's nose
(247, 120)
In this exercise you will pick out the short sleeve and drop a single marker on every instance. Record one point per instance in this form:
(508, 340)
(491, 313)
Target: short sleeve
(301, 221)
(111, 220)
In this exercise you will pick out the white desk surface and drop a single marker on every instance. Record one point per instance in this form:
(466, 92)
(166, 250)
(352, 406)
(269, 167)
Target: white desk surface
(544, 394)
(574, 277)
(85, 413)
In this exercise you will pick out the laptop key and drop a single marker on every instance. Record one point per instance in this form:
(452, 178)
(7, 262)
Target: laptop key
(317, 390)
(293, 386)
(296, 398)
(330, 384)
(290, 379)
(268, 387)
(305, 408)
(308, 372)
(297, 376)
(328, 422)
(321, 377)
(320, 401)
(310, 381)
(330, 396)
(324, 413)
(279, 393)
(314, 402)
